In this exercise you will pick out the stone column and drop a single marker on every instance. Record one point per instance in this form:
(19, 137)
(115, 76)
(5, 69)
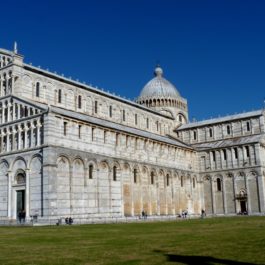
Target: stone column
(213, 195)
(14, 111)
(224, 195)
(8, 111)
(19, 132)
(241, 156)
(2, 142)
(97, 190)
(248, 194)
(71, 189)
(7, 140)
(32, 140)
(38, 134)
(26, 136)
(234, 189)
(18, 111)
(14, 144)
(9, 203)
(12, 83)
(261, 195)
(27, 193)
(1, 87)
(3, 112)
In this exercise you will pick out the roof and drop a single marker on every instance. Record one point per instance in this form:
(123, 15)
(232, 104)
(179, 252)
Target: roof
(93, 89)
(119, 127)
(158, 87)
(221, 120)
(230, 142)
(110, 125)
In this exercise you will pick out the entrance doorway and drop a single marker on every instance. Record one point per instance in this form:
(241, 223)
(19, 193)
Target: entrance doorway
(20, 201)
(243, 207)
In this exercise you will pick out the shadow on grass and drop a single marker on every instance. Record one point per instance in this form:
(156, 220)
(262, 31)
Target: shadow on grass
(202, 260)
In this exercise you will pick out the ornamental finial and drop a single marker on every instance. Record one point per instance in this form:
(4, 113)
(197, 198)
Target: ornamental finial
(15, 47)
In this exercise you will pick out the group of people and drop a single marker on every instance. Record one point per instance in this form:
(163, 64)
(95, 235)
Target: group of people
(69, 220)
(21, 216)
(184, 214)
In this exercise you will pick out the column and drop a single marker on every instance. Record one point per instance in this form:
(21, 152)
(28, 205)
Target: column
(14, 147)
(26, 136)
(248, 194)
(7, 140)
(8, 111)
(241, 157)
(18, 111)
(70, 189)
(3, 112)
(2, 142)
(38, 134)
(213, 195)
(19, 131)
(12, 83)
(32, 140)
(261, 195)
(1, 87)
(27, 194)
(9, 203)
(234, 188)
(224, 196)
(14, 111)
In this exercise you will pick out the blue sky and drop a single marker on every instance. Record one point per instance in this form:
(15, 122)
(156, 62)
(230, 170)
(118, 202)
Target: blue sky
(212, 51)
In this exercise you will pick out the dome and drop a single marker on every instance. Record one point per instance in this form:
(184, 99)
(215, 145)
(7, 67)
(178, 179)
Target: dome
(158, 87)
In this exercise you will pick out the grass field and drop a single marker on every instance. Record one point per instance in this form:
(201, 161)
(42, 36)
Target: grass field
(233, 241)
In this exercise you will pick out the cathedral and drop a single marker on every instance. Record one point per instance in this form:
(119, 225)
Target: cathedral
(68, 149)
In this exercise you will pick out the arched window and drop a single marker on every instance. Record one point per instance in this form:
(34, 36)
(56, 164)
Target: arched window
(180, 118)
(135, 119)
(135, 175)
(59, 96)
(147, 123)
(114, 173)
(247, 151)
(167, 179)
(96, 107)
(157, 125)
(110, 111)
(193, 183)
(21, 178)
(123, 115)
(181, 181)
(79, 131)
(79, 102)
(236, 153)
(194, 135)
(37, 89)
(211, 132)
(90, 173)
(228, 130)
(248, 126)
(64, 128)
(152, 178)
(219, 185)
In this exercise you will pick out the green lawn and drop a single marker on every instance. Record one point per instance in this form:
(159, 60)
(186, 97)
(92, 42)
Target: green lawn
(233, 241)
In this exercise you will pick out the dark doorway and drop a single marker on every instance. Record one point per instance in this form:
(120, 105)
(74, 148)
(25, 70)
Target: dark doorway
(20, 201)
(243, 206)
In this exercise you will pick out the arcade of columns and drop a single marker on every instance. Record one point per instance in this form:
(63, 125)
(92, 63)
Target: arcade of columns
(26, 134)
